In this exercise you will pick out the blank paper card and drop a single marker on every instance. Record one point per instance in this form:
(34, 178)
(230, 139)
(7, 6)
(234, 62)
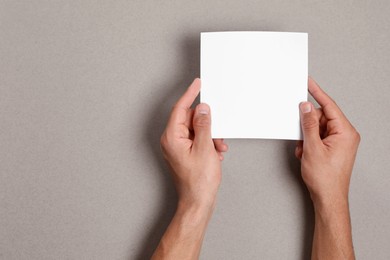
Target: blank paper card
(254, 82)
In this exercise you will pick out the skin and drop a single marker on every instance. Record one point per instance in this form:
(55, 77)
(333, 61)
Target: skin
(327, 155)
(195, 159)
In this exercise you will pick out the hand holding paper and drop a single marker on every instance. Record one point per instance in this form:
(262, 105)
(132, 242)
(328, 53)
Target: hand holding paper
(327, 156)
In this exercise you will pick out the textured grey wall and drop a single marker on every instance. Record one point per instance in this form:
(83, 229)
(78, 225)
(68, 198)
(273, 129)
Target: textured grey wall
(85, 91)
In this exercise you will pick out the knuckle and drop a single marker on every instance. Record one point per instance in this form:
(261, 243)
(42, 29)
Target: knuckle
(309, 123)
(356, 136)
(166, 142)
(163, 140)
(202, 121)
(352, 135)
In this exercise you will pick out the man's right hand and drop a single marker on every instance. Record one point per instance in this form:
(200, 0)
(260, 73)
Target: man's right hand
(329, 148)
(327, 155)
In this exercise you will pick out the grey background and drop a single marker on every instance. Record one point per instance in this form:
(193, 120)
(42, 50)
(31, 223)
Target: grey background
(85, 91)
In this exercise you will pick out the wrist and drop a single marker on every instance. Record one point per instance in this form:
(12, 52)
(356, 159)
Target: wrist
(331, 206)
(185, 233)
(206, 202)
(195, 212)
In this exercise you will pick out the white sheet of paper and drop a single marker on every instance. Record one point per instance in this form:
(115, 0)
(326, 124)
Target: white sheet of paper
(254, 82)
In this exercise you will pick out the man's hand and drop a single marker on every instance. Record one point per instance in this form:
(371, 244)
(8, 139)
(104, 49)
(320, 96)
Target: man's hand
(195, 161)
(327, 156)
(329, 148)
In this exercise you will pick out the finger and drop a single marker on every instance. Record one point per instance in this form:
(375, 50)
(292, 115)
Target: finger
(189, 117)
(322, 122)
(310, 125)
(329, 107)
(220, 145)
(221, 157)
(181, 112)
(320, 113)
(190, 95)
(202, 126)
(299, 150)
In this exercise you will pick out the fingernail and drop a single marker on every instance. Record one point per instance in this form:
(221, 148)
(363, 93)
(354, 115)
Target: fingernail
(305, 107)
(203, 109)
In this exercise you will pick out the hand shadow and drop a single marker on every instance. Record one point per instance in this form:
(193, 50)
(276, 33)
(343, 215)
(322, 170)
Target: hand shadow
(153, 130)
(307, 211)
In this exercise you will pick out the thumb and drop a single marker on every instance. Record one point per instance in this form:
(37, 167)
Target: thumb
(310, 124)
(202, 125)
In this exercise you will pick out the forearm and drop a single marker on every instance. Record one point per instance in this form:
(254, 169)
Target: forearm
(332, 232)
(184, 235)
